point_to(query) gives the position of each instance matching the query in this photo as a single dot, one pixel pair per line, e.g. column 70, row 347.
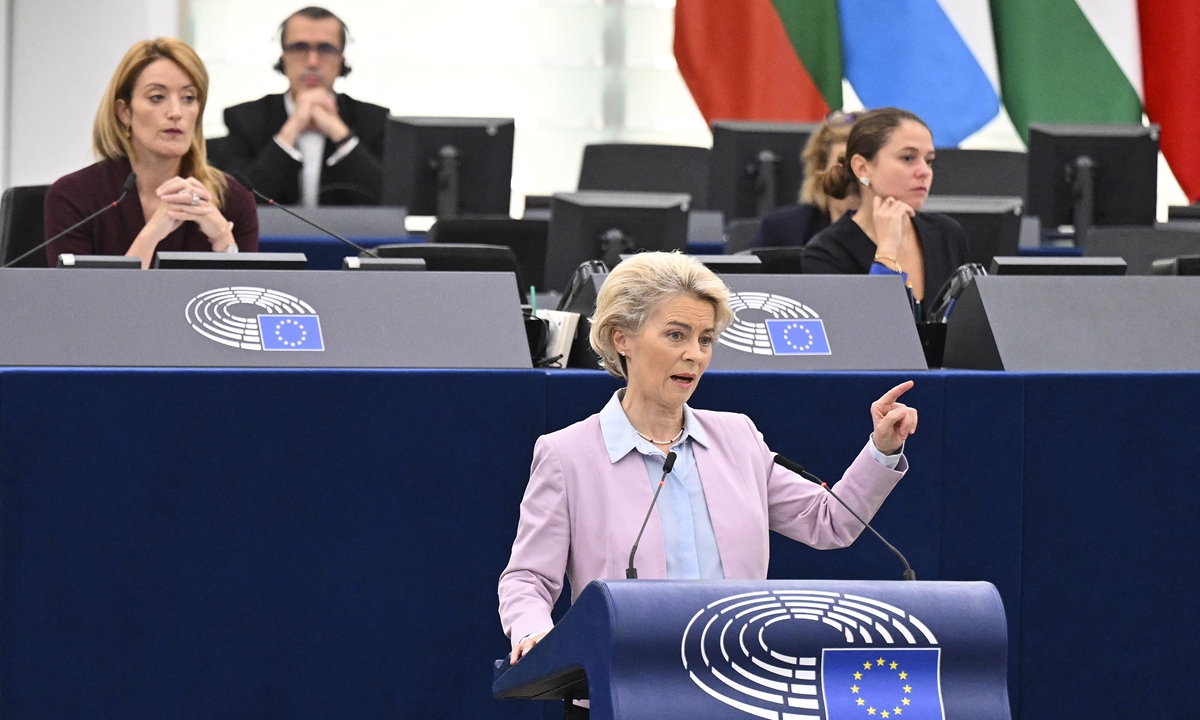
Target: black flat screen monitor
column 602, row 225
column 992, row 225
column 755, row 167
column 448, row 166
column 1124, row 178
column 1057, row 266
column 230, row 261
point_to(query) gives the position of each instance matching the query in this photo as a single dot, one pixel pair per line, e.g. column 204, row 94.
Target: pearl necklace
column 672, row 441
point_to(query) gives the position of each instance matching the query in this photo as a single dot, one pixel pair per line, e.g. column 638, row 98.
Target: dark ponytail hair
column 870, row 133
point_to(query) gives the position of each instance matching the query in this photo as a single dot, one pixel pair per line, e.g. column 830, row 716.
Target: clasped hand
column 894, row 421
column 316, row 109
column 186, row 199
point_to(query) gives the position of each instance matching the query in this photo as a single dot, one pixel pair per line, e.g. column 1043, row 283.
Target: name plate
column 246, row 318
column 818, row 322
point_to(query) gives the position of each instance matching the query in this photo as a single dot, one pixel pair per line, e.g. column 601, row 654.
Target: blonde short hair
column 637, row 287
column 109, row 139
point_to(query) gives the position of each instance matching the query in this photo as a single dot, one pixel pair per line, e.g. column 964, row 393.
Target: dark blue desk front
column 327, row 543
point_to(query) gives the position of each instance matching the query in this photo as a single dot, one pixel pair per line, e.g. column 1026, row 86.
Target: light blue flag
column 910, row 54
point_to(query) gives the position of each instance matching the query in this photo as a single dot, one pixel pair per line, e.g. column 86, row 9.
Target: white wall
column 61, row 54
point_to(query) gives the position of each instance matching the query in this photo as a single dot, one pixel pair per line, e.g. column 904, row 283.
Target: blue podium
column 781, row 650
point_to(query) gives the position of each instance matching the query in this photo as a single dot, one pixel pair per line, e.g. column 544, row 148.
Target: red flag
column 737, row 59
column 1171, row 67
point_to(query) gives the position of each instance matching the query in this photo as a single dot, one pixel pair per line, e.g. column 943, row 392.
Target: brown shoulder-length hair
column 868, row 135
column 108, row 133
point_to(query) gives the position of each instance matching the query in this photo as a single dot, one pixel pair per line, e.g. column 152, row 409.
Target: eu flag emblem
column 290, row 332
column 798, row 337
column 873, row 684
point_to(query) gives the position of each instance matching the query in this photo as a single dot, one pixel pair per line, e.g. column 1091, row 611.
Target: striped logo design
column 748, row 652
column 767, row 324
column 237, row 316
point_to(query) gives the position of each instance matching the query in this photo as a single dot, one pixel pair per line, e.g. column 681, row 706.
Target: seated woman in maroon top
column 150, row 123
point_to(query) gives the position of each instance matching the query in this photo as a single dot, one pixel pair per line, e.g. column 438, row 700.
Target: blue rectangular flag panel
column 798, row 337
column 882, row 682
column 290, row 332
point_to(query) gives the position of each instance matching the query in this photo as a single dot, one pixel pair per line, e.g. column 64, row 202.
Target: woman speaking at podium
column 591, row 484
column 150, row 122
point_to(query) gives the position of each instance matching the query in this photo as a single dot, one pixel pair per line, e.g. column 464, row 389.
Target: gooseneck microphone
column 799, row 470
column 250, row 186
column 130, row 183
column 631, row 571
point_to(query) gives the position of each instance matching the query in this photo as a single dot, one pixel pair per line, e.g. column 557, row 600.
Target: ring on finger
column 195, row 199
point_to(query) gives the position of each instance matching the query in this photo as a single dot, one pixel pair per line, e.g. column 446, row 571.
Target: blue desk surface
column 326, row 544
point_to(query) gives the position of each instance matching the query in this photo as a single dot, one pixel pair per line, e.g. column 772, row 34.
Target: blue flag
column 882, row 684
column 798, row 337
column 290, row 332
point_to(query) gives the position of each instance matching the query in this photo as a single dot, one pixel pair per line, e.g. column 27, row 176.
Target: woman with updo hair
column 889, row 164
column 797, row 224
column 657, row 318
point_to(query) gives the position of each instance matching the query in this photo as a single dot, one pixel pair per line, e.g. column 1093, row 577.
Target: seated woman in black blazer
column 797, row 224
column 889, row 164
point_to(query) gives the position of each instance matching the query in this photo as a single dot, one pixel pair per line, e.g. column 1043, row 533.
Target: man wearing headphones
column 311, row 145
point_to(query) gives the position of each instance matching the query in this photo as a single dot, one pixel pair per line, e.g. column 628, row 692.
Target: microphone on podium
column 130, row 184
column 245, row 181
column 668, row 464
column 797, row 468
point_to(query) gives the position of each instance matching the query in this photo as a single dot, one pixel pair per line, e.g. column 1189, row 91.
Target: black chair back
column 787, row 260
column 740, row 234
column 527, row 239
column 21, row 224
column 444, row 257
column 647, row 168
column 218, row 152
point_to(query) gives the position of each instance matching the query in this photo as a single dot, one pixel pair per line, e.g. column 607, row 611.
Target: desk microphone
column 130, row 183
column 799, row 470
column 250, row 186
column 631, row 571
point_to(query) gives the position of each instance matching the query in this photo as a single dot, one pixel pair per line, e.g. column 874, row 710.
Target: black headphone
column 315, row 14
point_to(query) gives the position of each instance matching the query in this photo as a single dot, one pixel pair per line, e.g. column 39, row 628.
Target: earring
column 622, row 353
column 128, row 132
column 865, row 181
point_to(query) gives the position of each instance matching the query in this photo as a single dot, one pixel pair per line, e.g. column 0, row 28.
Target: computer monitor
column 755, row 167
column 171, row 260
column 1084, row 175
column 448, row 166
column 992, row 225
column 602, row 225
column 1182, row 265
column 1057, row 266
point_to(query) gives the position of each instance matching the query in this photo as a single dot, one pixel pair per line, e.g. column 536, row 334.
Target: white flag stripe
column 744, row 603
column 772, row 621
column 877, row 613
column 890, row 608
column 724, row 652
column 862, row 630
column 817, row 606
column 804, row 689
column 703, row 634
column 807, row 662
column 887, row 637
column 973, row 21
column 756, row 608
column 785, row 658
column 804, row 703
column 806, row 675
column 758, row 593
column 773, row 684
column 924, row 630
column 772, row 668
column 792, row 716
column 854, row 613
column 904, row 631
column 843, row 619
column 1116, row 22
column 832, row 623
column 757, row 712
column 769, row 697
column 806, row 592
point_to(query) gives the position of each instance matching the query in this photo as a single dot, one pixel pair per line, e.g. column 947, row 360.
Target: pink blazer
column 581, row 512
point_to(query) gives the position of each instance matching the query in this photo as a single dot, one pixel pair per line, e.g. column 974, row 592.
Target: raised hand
column 894, row 421
column 889, row 217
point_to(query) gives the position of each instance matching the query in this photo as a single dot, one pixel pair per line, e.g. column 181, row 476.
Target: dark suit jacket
column 791, row 225
column 73, row 197
column 354, row 180
column 844, row 249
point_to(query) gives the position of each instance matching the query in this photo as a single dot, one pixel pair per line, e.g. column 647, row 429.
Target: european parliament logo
column 768, row 324
column 290, row 332
column 254, row 318
column 813, row 655
column 889, row 683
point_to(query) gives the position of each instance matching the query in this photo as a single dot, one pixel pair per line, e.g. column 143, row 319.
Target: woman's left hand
column 180, row 193
column 894, row 421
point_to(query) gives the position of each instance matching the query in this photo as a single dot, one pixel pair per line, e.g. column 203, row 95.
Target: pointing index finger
column 896, row 392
